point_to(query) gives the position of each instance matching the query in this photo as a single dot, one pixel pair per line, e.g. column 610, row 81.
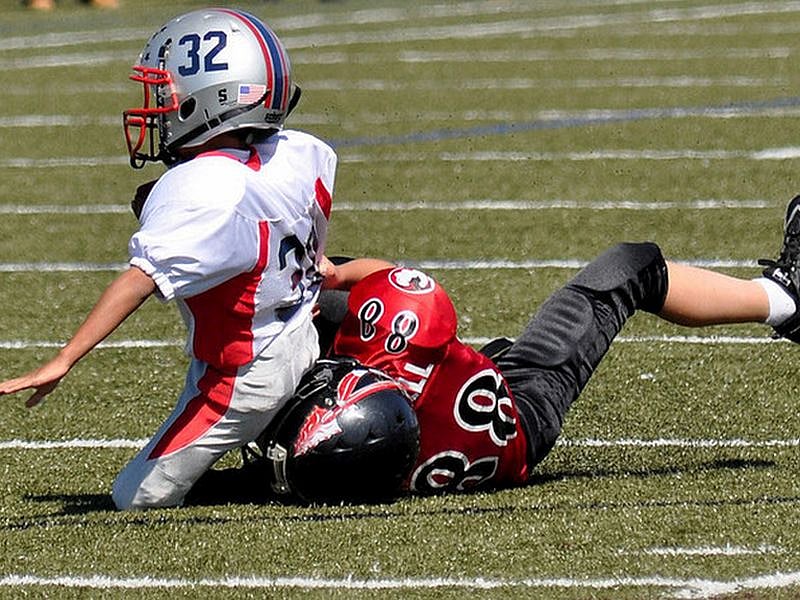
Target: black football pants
column 551, row 362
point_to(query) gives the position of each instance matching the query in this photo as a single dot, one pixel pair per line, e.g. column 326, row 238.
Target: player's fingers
column 325, row 266
column 14, row 385
column 35, row 379
column 330, row 274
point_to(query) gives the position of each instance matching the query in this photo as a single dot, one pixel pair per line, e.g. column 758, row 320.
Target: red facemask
column 139, row 121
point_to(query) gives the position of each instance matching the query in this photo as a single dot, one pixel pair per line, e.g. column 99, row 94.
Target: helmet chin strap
column 169, row 158
column 296, row 93
column 210, row 125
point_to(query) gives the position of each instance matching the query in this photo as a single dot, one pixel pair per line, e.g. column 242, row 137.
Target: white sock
column 781, row 303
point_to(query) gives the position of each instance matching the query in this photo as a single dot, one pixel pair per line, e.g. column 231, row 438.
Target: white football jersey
column 235, row 237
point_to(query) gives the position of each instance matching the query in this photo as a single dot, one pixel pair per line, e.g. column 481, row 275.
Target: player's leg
column 217, row 412
column 701, row 297
column 698, row 297
column 553, row 359
column 549, row 364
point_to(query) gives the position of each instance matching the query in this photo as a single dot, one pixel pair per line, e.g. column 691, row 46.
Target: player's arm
column 121, row 298
column 346, row 275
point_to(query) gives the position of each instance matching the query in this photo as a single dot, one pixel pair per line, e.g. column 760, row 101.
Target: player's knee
column 619, row 264
column 638, row 268
column 122, row 495
column 135, row 493
column 637, row 254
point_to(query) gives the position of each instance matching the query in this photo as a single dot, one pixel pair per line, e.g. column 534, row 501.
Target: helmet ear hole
column 187, row 108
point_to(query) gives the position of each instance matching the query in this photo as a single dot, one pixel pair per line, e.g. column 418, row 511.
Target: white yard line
column 468, row 264
column 693, row 340
column 64, row 209
column 31, row 121
column 423, row 116
column 120, row 344
column 780, row 154
column 67, row 161
column 455, row 206
column 643, row 444
column 679, row 443
column 432, row 264
column 547, row 55
column 786, row 153
column 65, row 267
column 531, row 83
column 621, row 154
column 472, row 340
column 686, row 588
column 71, row 444
column 726, row 550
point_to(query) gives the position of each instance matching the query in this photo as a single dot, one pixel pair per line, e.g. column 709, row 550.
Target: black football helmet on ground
column 349, row 435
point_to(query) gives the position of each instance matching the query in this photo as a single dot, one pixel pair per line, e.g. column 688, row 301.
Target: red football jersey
column 402, row 322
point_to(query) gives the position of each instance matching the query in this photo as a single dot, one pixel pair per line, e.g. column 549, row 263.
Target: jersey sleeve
column 190, row 238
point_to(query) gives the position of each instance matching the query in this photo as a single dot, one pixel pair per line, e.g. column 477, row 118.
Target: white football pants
column 217, row 411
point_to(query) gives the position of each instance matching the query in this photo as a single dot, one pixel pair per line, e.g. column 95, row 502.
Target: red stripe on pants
column 200, row 414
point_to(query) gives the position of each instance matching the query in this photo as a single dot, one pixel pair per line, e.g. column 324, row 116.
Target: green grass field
column 499, row 144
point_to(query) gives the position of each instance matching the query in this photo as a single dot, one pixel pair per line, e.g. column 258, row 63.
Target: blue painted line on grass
column 437, row 135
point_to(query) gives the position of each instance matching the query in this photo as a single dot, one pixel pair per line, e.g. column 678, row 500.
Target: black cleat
column 785, row 271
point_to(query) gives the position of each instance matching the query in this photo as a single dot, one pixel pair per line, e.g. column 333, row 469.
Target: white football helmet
column 205, row 73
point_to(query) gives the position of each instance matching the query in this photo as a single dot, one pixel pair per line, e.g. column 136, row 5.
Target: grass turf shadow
column 76, row 507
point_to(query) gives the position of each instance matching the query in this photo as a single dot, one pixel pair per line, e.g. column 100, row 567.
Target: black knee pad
column 635, row 268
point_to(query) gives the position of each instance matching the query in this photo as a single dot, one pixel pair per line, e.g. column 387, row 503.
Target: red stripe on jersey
column 200, row 414
column 223, row 315
column 217, row 153
column 323, row 197
column 254, row 162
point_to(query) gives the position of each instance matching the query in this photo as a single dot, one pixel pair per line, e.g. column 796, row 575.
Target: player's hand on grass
column 43, row 380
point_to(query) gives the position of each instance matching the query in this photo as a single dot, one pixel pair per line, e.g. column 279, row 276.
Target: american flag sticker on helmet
column 250, row 93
